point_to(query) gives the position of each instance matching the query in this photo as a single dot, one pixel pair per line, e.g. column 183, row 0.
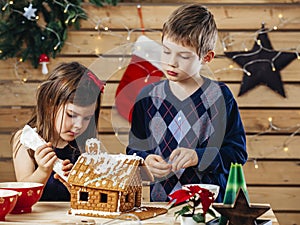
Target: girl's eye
column 70, row 115
column 167, row 52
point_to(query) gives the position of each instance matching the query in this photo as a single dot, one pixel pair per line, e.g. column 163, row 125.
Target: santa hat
column 144, row 68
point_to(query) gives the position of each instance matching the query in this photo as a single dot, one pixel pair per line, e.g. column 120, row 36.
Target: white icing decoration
column 30, row 138
column 90, row 143
column 93, row 212
column 113, row 168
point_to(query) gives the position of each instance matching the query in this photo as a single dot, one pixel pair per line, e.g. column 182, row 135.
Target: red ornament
column 44, row 60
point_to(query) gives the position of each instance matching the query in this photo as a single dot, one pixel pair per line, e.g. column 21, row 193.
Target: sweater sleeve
column 138, row 139
column 233, row 146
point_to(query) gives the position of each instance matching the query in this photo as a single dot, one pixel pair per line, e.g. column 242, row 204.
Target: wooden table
column 55, row 213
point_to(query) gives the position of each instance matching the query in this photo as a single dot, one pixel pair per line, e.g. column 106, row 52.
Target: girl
column 66, row 115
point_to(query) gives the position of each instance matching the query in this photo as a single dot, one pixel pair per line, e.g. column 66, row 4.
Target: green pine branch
column 28, row 39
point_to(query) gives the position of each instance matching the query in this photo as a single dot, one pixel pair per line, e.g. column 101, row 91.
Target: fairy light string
column 227, row 42
column 49, row 33
column 101, row 25
column 294, row 130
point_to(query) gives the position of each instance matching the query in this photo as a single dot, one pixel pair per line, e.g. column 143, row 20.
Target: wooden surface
column 55, row 213
column 276, row 180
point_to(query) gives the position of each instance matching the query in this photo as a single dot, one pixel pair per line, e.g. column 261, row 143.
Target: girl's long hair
column 68, row 83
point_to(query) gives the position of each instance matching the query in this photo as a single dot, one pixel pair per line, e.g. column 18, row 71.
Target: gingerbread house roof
column 107, row 171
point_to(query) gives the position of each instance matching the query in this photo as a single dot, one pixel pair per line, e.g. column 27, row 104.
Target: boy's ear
column 209, row 56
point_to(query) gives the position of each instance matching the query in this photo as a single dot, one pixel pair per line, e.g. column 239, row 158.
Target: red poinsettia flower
column 195, row 195
column 179, row 196
column 207, row 198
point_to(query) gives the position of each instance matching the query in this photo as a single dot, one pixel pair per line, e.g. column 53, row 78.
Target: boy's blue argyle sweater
column 208, row 121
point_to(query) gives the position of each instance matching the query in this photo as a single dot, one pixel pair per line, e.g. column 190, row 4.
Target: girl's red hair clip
column 97, row 81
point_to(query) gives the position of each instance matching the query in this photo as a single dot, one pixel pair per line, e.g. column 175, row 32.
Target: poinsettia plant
column 192, row 196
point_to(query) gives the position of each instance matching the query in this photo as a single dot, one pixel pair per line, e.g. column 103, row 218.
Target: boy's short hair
column 192, row 25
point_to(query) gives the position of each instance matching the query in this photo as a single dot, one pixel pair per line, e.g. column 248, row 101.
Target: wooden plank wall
column 277, row 178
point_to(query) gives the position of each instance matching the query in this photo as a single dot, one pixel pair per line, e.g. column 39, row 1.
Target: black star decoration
column 261, row 65
column 241, row 212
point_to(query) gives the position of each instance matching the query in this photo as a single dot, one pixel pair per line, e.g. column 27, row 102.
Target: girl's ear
column 209, row 56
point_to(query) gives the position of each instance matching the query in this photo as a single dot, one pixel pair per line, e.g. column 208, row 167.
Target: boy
column 187, row 127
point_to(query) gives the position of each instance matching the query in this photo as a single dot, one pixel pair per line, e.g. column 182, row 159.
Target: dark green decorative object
column 236, row 180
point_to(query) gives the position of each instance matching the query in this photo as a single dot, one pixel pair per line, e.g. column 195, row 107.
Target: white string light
column 72, row 17
column 294, row 129
column 17, row 66
column 99, row 25
column 227, row 43
column 7, row 4
column 57, row 36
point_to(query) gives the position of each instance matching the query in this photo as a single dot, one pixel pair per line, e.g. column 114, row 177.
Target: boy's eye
column 87, row 118
column 185, row 57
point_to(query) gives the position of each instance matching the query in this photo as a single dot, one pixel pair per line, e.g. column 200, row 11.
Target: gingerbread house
column 107, row 185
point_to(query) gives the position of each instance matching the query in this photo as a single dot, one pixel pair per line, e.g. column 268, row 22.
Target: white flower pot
column 188, row 220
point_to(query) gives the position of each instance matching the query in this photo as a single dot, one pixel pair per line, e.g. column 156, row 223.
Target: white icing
column 30, row 138
column 119, row 202
column 93, row 212
column 90, row 143
column 108, row 168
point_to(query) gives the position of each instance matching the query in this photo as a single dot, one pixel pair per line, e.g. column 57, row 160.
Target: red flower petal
column 194, row 189
column 207, row 199
column 179, row 196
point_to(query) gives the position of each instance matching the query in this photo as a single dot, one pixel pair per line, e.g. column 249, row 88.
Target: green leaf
column 183, row 211
column 199, row 218
column 211, row 212
column 96, row 2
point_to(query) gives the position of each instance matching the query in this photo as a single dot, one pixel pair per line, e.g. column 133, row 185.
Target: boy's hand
column 45, row 157
column 182, row 158
column 157, row 165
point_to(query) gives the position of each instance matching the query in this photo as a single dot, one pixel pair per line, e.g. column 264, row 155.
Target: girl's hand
column 66, row 167
column 157, row 165
column 182, row 158
column 45, row 157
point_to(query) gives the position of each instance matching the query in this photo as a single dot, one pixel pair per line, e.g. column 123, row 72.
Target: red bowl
column 8, row 200
column 29, row 194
